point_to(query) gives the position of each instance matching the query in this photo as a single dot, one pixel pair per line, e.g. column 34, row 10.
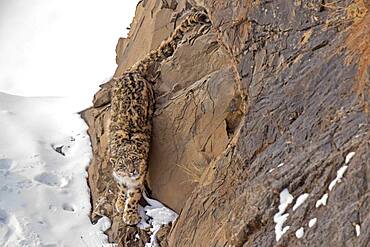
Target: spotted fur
column 131, row 121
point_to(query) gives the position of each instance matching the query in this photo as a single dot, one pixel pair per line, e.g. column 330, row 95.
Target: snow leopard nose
column 132, row 171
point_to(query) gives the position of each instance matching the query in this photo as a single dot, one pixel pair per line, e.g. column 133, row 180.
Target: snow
column 312, row 222
column 299, row 233
column 358, row 230
column 60, row 48
column 300, row 200
column 279, row 218
column 339, row 177
column 286, row 198
column 44, row 197
column 322, row 200
column 341, row 171
column 349, row 157
column 280, row 165
column 154, row 216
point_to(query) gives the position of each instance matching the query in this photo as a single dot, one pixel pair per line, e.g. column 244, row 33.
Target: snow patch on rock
column 358, row 230
column 279, row 218
column 339, row 177
column 299, row 233
column 349, row 157
column 312, row 222
column 322, row 201
column 154, row 216
column 300, row 200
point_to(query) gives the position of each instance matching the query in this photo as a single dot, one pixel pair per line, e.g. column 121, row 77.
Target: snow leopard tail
column 168, row 46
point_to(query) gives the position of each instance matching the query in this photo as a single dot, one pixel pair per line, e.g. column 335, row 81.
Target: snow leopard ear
column 117, row 162
column 111, row 161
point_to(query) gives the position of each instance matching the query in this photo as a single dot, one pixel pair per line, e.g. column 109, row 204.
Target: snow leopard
column 132, row 108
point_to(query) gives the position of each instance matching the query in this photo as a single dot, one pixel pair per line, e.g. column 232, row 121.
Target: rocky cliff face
column 261, row 129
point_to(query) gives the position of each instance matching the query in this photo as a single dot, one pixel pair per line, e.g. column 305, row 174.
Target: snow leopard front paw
column 120, row 204
column 131, row 218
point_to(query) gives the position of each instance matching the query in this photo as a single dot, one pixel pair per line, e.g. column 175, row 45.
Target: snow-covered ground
column 60, row 48
column 44, row 197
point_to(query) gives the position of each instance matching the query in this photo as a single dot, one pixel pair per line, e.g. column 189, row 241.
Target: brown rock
column 273, row 82
column 189, row 131
column 103, row 96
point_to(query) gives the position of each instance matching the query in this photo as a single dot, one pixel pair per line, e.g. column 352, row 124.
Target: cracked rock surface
column 275, row 98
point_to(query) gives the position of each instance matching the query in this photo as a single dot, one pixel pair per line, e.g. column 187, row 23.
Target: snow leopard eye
column 134, row 173
column 135, row 161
